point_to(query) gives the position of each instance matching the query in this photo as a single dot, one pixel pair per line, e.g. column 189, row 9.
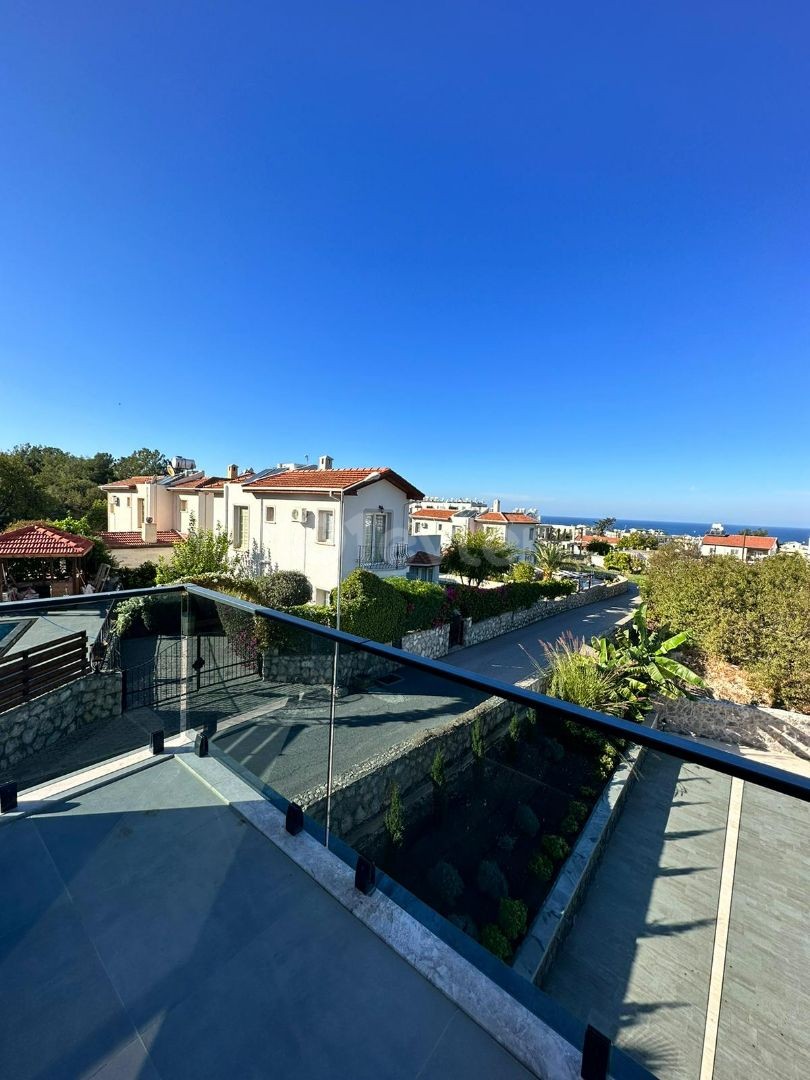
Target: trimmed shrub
column 555, row 847
column 137, row 577
column 522, row 571
column 492, row 938
column 490, row 880
column 285, row 589
column 541, row 866
column 512, row 916
column 526, row 820
column 425, row 604
column 506, row 842
column 394, row 817
column 465, row 924
column 446, row 882
column 477, row 604
column 606, row 763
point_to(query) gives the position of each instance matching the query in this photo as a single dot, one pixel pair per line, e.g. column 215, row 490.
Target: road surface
column 510, row 657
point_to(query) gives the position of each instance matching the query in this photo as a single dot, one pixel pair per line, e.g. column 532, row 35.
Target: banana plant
column 643, row 654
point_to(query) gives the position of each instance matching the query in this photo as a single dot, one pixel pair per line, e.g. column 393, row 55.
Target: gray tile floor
column 147, row 932
column 637, row 961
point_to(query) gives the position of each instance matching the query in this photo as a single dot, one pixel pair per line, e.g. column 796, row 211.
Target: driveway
column 506, row 658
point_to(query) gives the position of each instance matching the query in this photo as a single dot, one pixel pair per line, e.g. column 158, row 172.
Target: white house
column 315, row 519
column 748, row 548
column 444, row 523
column 518, row 528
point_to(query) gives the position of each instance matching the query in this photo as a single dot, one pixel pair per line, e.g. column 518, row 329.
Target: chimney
column 233, row 472
column 496, row 505
column 149, row 532
column 325, row 462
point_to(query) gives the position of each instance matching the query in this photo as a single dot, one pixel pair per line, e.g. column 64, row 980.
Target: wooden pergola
column 45, row 542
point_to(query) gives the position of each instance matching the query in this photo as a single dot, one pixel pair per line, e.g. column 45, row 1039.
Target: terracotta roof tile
column 433, row 515
column 42, row 542
column 601, row 539
column 129, row 483
column 496, row 517
column 331, row 480
column 754, row 543
column 134, row 539
column 424, row 558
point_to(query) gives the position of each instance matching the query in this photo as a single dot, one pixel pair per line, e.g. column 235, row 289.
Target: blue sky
column 553, row 252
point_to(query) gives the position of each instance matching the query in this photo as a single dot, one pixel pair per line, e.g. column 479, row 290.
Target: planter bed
column 477, row 820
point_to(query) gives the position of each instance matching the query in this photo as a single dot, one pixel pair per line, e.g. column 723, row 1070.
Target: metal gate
column 200, row 663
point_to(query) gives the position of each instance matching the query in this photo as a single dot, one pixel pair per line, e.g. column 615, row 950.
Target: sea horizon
column 783, row 533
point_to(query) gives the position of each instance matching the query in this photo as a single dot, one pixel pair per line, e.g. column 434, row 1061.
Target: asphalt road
column 512, row 657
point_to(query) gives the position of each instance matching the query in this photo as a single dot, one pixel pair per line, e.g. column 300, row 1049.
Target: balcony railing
column 656, row 870
column 390, row 557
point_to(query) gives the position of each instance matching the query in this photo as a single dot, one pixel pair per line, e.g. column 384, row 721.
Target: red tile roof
column 331, row 480
column 129, row 483
column 753, row 543
column 496, row 517
column 601, row 539
column 42, row 541
column 433, row 515
column 134, row 539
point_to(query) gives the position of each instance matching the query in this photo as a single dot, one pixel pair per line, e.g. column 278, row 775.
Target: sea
column 783, row 533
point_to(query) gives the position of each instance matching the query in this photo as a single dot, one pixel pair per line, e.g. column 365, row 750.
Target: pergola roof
column 41, row 541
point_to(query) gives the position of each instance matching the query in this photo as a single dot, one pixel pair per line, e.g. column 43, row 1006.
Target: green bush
column 555, row 847
column 625, row 563
column 425, row 604
column 465, row 924
column 492, row 938
column 588, row 792
column 512, row 917
column 477, row 604
column 522, row 571
column 526, row 820
column 437, row 770
column 138, row 577
column 515, row 728
column 555, row 750
column 394, row 817
column 599, row 547
column 370, row 608
column 284, row 589
column 490, row 880
column 541, row 867
column 506, row 842
column 147, row 615
column 606, row 764
column 446, row 882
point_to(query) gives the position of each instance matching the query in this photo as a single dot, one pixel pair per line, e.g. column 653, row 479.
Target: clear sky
column 556, row 252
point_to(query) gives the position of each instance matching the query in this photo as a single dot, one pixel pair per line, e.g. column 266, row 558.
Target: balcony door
column 375, row 536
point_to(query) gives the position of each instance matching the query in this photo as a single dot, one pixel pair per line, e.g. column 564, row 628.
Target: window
column 129, row 500
column 141, row 512
column 424, row 524
column 241, row 527
column 375, row 534
column 439, row 526
column 322, row 597
column 424, row 573
column 270, row 515
column 531, row 534
column 183, row 506
column 326, row 527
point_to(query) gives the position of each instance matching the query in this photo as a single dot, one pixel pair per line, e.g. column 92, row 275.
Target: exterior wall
column 522, row 537
column 121, row 518
column 137, row 556
column 750, row 554
column 35, row 725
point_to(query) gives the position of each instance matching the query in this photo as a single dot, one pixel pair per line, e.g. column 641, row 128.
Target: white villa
column 320, row 520
column 518, row 527
column 741, row 546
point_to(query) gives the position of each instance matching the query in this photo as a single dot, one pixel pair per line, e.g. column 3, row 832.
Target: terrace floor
column 148, row 931
column 694, row 964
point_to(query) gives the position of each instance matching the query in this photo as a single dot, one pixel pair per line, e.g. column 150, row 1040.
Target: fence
column 31, row 672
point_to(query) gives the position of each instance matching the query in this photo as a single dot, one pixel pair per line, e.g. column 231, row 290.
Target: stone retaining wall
column 37, row 724
column 316, row 670
column 486, row 629
column 360, row 796
column 431, row 643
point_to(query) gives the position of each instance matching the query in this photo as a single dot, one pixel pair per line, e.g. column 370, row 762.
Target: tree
column 142, row 462
column 601, row 526
column 598, row 547
column 549, row 558
column 202, row 552
column 478, row 556
column 638, row 540
column 19, row 495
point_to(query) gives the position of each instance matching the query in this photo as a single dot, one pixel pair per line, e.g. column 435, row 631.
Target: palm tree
column 548, row 557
